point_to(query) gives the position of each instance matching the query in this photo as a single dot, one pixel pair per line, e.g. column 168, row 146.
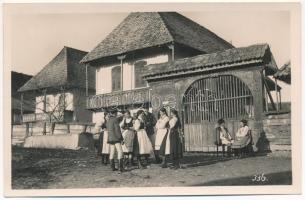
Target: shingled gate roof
column 63, row 70
column 149, row 29
column 206, row 62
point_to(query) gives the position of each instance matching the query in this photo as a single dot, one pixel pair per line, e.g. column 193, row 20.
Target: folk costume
column 176, row 150
column 128, row 135
column 143, row 146
column 105, row 146
column 115, row 139
column 162, row 137
column 150, row 122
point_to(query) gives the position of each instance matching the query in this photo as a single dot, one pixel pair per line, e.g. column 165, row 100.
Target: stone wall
column 19, row 131
column 278, row 131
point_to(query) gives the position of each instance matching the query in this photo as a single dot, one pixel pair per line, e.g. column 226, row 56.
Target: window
column 139, row 82
column 116, row 78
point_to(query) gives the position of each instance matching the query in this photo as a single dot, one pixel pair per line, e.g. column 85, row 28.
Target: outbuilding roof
column 141, row 30
column 63, row 70
column 206, row 62
column 284, row 73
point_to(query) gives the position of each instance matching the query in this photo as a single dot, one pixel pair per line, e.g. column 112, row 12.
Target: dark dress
column 176, row 150
column 150, row 122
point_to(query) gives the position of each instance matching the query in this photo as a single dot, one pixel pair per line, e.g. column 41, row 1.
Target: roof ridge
column 166, row 26
column 33, row 79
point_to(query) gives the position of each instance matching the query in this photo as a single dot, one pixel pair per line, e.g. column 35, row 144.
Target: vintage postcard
column 152, row 99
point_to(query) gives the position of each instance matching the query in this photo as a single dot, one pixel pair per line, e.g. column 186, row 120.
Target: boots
column 121, row 165
column 103, row 159
column 176, row 164
column 147, row 160
column 164, row 163
column 112, row 165
column 130, row 163
column 140, row 166
column 158, row 160
column 229, row 151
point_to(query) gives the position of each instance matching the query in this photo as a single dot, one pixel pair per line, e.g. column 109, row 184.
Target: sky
column 33, row 37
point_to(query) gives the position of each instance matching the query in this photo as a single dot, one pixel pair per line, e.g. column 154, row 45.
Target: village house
column 60, row 90
column 163, row 59
column 18, row 80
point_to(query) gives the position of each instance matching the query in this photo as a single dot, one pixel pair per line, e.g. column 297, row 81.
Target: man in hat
column 115, row 139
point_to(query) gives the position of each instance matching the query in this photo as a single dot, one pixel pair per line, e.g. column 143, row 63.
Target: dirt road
column 46, row 168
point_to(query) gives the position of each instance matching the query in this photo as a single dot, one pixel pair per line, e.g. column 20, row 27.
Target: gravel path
column 47, row 168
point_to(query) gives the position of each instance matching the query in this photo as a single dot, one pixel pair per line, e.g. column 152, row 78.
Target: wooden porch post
column 280, row 100
column 172, row 47
column 87, row 83
column 21, row 107
column 45, row 111
column 121, row 59
column 265, row 92
column 277, row 95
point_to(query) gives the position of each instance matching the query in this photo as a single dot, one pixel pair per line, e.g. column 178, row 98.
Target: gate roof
column 234, row 57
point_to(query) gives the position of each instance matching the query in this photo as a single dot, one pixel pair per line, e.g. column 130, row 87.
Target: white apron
column 106, row 146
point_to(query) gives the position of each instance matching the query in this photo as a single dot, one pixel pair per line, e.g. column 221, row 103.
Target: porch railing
column 118, row 98
column 36, row 117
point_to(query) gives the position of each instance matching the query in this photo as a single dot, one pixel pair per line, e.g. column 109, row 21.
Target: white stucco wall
column 103, row 74
column 104, row 82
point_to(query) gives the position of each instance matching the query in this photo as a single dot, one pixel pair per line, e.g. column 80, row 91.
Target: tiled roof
column 63, row 70
column 206, row 62
column 149, row 29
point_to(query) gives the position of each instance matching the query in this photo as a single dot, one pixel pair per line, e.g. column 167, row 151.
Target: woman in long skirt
column 176, row 151
column 128, row 135
column 106, row 146
column 144, row 146
column 162, row 139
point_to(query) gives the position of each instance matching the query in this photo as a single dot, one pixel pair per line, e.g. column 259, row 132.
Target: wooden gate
column 208, row 100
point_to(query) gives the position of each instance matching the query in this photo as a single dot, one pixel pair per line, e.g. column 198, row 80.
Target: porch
column 118, row 99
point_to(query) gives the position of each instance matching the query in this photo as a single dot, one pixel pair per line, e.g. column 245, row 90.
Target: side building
column 60, row 91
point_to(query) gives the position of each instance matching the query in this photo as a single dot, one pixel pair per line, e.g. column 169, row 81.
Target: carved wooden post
column 45, row 111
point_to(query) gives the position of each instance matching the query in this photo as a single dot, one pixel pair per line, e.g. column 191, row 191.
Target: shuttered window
column 139, row 82
column 116, row 78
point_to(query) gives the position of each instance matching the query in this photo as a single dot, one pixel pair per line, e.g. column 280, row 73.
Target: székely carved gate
column 208, row 100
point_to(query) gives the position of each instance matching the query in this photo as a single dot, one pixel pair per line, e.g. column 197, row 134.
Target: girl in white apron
column 162, row 137
column 128, row 135
column 144, row 146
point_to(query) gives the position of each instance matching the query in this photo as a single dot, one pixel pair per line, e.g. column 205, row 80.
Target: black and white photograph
column 124, row 97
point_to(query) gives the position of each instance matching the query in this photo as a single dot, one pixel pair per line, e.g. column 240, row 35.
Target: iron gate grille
column 213, row 98
column 208, row 100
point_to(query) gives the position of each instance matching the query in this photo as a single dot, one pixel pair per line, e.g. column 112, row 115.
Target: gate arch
column 209, row 99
